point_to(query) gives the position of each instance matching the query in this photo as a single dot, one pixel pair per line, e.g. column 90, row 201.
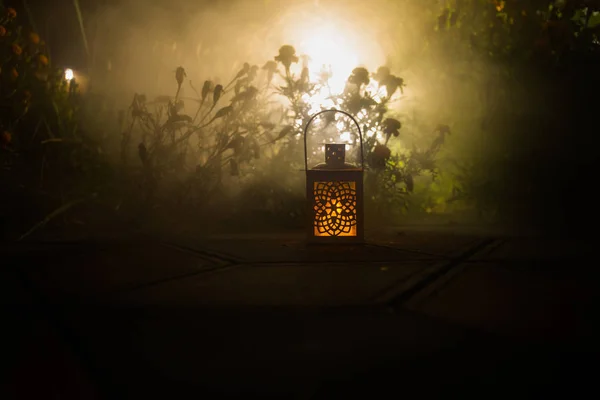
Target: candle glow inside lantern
column 334, row 190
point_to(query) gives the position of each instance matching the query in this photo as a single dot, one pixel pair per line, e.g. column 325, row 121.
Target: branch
column 52, row 215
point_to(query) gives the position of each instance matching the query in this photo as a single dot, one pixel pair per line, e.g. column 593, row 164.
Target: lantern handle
column 362, row 158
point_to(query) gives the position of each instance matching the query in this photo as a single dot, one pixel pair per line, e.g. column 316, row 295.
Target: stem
column 30, row 15
column 208, row 113
column 177, row 93
column 82, row 28
column 51, row 216
column 42, row 171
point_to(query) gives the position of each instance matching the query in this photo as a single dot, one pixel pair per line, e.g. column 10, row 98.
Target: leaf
column 594, row 20
column 392, row 84
column 53, row 140
column 234, row 167
column 143, row 153
column 284, row 132
column 52, row 215
column 442, row 129
column 179, row 118
column 267, row 125
column 255, row 148
column 243, row 71
column 437, row 143
column 410, row 183
column 223, row 112
column 246, row 95
column 271, row 68
column 236, row 143
column 252, row 73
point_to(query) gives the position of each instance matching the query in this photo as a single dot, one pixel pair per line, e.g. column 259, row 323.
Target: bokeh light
column 69, row 74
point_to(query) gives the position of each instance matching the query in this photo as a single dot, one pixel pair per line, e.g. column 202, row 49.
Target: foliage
column 537, row 54
column 250, row 129
column 45, row 151
column 518, row 30
column 242, row 139
column 41, row 114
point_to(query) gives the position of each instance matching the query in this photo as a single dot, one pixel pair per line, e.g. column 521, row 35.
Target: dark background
column 57, row 22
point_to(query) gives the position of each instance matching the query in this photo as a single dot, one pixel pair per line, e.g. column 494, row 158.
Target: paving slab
column 271, row 351
column 438, row 243
column 292, row 247
column 528, row 249
column 33, row 347
column 510, row 302
column 279, row 285
column 275, row 250
column 166, row 321
column 13, row 293
column 93, row 269
column 41, row 364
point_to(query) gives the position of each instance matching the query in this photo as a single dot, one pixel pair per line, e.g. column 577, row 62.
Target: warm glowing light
column 335, row 209
column 346, row 137
column 332, row 48
column 331, row 52
column 69, row 74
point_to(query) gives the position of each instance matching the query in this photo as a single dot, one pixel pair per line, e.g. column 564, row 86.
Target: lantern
column 334, row 190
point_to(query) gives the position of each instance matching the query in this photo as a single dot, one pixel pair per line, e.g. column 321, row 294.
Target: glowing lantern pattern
column 334, row 191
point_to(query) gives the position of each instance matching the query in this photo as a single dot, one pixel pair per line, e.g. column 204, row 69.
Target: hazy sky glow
column 213, row 42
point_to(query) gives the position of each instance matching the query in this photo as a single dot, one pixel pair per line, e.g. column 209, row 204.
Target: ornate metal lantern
column 334, row 190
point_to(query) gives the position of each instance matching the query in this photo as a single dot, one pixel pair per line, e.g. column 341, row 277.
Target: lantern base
column 329, row 240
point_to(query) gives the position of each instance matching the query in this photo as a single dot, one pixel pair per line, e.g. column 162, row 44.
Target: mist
column 137, row 45
column 490, row 131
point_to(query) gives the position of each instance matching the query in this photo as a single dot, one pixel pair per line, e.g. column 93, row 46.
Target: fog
column 139, row 45
column 136, row 46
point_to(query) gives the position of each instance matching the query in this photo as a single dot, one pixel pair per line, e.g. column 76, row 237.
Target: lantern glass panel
column 335, row 208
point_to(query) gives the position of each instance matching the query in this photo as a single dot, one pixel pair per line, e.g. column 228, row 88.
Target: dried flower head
column 34, row 38
column 43, row 60
column 382, row 74
column 5, row 138
column 360, row 76
column 287, row 56
column 180, row 75
column 17, row 49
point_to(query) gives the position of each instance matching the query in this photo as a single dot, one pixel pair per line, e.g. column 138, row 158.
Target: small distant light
column 69, row 74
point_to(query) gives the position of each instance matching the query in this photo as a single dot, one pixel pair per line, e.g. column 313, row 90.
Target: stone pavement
column 429, row 312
